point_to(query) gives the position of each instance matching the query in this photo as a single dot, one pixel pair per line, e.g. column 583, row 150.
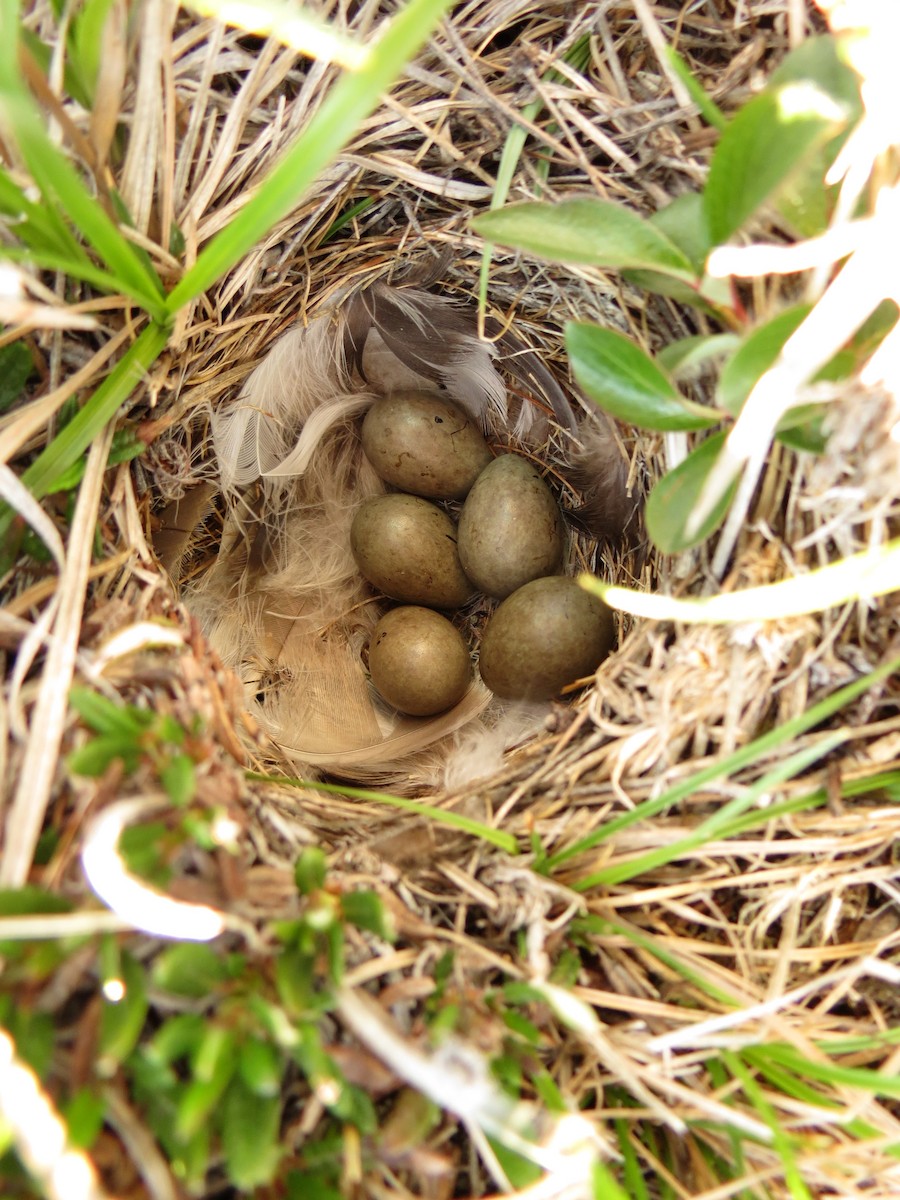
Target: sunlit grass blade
column 874, row 1082
column 858, row 577
column 496, row 837
column 97, row 412
column 38, row 227
column 59, row 182
column 77, row 268
column 51, row 465
column 725, row 767
column 292, row 25
column 713, row 825
column 780, row 1138
column 351, row 100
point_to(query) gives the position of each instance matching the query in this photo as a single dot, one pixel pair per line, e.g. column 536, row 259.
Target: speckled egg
column 418, row 661
column 510, row 527
column 547, row 634
column 421, row 443
column 406, row 547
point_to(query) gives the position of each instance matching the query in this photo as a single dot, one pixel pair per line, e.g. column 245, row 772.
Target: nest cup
column 285, row 604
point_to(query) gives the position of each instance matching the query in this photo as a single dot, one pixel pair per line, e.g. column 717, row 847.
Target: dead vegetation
column 778, row 932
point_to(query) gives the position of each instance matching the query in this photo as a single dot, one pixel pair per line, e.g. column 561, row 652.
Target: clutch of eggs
column 509, row 544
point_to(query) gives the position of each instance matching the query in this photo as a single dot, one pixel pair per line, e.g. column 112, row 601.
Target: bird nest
column 775, row 926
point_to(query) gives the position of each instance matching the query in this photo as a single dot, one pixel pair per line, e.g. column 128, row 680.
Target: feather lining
column 284, row 604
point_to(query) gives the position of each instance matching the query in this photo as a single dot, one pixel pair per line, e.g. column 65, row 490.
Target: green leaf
column 319, row 1184
column 143, row 846
column 16, row 368
column 84, row 1115
column 366, row 910
column 756, row 355
column 125, row 446
column 201, row 1098
column 802, row 428
column 684, row 223
column 819, row 60
column 86, row 43
column 674, row 497
column 37, row 227
column 625, row 381
column 103, row 715
column 686, row 356
column 177, row 1038
column 34, row 1035
column 805, row 202
column 294, row 981
column 215, row 1048
column 99, row 753
column 589, row 232
column 121, row 1023
column 250, row 1128
column 520, row 1171
column 765, row 144
column 260, row 1067
column 179, row 778
column 60, row 184
column 310, row 870
column 604, row 1184
column 190, row 969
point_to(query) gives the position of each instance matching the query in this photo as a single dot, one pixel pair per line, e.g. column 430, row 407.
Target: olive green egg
column 546, row 634
column 421, row 443
column 510, row 527
column 418, row 661
column 406, row 547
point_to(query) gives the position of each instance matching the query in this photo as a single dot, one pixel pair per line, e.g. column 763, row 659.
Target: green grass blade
column 76, row 268
column 351, row 100
column 59, row 183
column 578, row 57
column 714, row 825
column 496, row 837
column 38, row 227
column 875, row 1082
column 725, row 767
column 780, row 1138
column 669, row 958
column 97, row 412
column 709, row 110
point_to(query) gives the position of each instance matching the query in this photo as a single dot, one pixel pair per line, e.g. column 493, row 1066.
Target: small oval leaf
column 764, row 146
column 591, row 232
column 121, row 1022
column 674, row 497
column 686, row 357
column 626, row 382
column 250, row 1127
column 756, row 355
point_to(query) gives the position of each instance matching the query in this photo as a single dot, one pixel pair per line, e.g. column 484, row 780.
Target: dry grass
column 785, row 932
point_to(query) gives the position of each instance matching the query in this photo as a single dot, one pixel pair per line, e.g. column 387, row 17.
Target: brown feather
column 597, row 470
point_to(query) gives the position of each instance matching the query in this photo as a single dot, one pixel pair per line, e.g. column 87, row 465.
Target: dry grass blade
column 25, row 815
column 726, row 1021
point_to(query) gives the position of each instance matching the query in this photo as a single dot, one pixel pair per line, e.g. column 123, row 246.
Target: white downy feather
column 285, row 605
